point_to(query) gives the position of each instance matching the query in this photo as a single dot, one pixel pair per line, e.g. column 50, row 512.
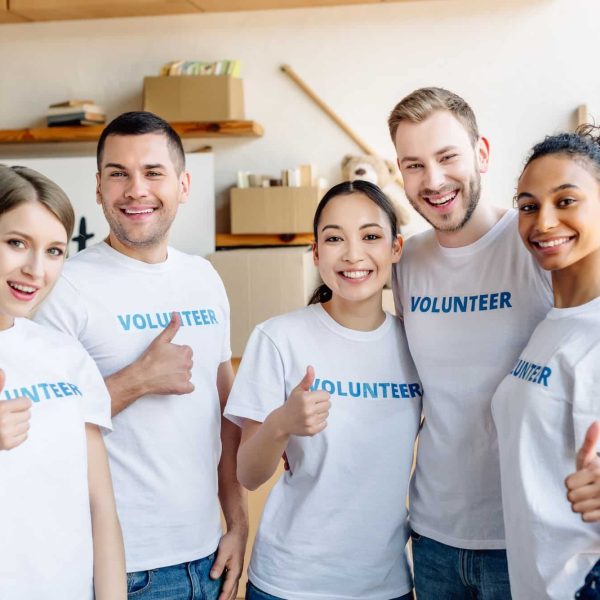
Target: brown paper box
column 273, row 210
column 195, row 98
column 262, row 283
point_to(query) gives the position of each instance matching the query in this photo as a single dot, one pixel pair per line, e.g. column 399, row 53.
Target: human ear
column 397, row 246
column 483, row 154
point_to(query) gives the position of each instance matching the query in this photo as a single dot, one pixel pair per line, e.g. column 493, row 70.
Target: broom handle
column 328, row 111
column 332, row 115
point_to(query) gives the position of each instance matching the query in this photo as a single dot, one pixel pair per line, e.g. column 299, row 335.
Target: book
column 88, row 116
column 74, row 122
column 68, row 103
column 68, row 110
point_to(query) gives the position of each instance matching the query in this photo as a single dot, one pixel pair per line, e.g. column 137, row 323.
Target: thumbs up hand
column 583, row 486
column 304, row 413
column 14, row 419
column 167, row 367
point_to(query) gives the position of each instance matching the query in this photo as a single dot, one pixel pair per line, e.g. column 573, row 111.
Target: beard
column 470, row 193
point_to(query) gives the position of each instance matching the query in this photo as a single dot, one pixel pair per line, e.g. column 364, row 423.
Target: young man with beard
column 470, row 296
column 126, row 299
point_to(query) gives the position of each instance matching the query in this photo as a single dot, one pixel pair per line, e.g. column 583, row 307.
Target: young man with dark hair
column 173, row 456
column 470, row 296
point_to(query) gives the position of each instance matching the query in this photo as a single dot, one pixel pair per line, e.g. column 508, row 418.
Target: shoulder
column 416, row 244
column 50, row 337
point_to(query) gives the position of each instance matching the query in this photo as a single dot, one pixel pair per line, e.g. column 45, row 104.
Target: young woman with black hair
column 333, row 387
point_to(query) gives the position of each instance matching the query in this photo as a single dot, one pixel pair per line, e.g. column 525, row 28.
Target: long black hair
column 373, row 193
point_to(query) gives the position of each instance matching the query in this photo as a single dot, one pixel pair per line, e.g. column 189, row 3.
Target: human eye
column 448, row 157
column 116, row 174
column 153, row 173
column 527, row 207
column 413, row 166
column 333, row 238
column 371, row 237
column 565, row 202
column 16, row 243
column 56, row 252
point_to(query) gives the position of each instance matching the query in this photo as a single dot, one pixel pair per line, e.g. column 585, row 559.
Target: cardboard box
column 273, row 210
column 195, row 98
column 262, row 283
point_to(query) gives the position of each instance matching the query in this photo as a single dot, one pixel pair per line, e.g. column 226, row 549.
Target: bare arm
column 233, row 498
column 109, row 556
column 304, row 413
column 164, row 368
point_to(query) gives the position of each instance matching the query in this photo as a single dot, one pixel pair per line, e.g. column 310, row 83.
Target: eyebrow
column 365, row 226
column 563, row 186
column 124, row 168
column 437, row 153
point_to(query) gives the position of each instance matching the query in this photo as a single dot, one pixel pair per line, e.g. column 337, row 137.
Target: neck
column 6, row 321
column 154, row 254
column 484, row 217
column 577, row 284
column 365, row 315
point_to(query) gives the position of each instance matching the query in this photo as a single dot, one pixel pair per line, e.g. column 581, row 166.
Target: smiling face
column 33, row 243
column 559, row 211
column 355, row 248
column 441, row 169
column 140, row 191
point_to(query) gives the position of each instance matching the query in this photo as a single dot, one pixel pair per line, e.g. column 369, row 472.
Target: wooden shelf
column 56, row 10
column 229, row 240
column 36, row 135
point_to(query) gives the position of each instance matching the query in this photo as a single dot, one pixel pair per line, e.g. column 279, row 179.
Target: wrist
column 275, row 424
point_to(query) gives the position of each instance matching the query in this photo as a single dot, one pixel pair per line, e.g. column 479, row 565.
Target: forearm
column 125, row 387
column 109, row 555
column 232, row 496
column 260, row 454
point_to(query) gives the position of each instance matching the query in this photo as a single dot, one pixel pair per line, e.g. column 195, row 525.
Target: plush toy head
column 369, row 168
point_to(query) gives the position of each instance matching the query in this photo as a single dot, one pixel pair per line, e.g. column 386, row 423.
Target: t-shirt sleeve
column 96, row 399
column 226, row 347
column 396, row 291
column 259, row 386
column 586, row 393
column 63, row 310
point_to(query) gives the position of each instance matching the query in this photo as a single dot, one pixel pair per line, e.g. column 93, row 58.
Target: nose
column 359, row 172
column 33, row 267
column 136, row 186
column 434, row 176
column 352, row 251
column 546, row 218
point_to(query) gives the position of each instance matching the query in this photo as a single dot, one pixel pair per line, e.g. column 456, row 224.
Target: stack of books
column 196, row 67
column 75, row 112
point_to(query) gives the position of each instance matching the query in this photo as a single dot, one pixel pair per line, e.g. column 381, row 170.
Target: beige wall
column 524, row 65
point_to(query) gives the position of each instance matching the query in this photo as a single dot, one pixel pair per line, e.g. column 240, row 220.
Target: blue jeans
column 253, row 593
column 591, row 588
column 456, row 574
column 187, row 581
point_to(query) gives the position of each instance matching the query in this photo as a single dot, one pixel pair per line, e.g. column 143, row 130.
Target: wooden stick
column 328, row 111
column 333, row 116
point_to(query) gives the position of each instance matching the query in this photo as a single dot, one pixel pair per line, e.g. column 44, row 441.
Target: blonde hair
column 22, row 184
column 421, row 103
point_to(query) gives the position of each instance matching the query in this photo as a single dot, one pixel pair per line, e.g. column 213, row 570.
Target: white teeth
column 552, row 243
column 442, row 200
column 355, row 274
column 22, row 288
column 145, row 211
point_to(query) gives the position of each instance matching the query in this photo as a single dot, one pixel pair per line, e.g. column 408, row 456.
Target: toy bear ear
column 391, row 167
column 346, row 160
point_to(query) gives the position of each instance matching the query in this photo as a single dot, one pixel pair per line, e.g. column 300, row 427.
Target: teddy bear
column 384, row 174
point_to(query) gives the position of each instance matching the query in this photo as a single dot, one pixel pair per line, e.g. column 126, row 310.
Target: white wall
column 524, row 66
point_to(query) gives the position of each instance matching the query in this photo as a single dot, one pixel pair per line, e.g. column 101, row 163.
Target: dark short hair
column 358, row 186
column 140, row 123
column 583, row 145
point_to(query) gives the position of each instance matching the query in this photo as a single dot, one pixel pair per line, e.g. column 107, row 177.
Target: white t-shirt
column 164, row 451
column 468, row 312
column 542, row 411
column 334, row 525
column 45, row 523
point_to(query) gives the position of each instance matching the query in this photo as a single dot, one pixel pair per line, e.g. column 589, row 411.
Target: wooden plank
column 54, row 10
column 228, row 240
column 238, row 5
column 8, row 17
column 92, row 133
